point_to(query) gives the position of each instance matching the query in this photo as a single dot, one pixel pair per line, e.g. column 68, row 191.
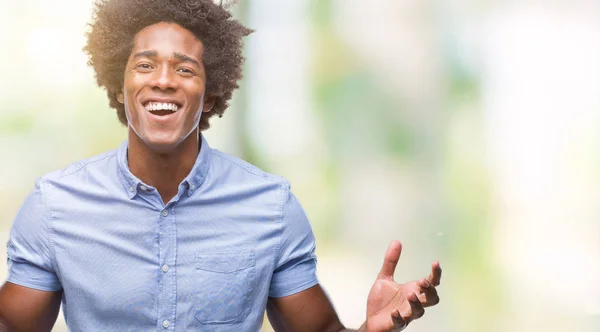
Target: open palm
column 391, row 306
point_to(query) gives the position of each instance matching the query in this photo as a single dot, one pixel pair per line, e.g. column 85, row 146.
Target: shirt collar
column 191, row 182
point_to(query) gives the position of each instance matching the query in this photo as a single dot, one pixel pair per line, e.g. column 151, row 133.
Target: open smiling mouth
column 161, row 109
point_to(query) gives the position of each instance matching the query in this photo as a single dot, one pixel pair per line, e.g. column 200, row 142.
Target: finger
column 429, row 296
column 436, row 274
column 416, row 308
column 390, row 260
column 424, row 283
column 399, row 322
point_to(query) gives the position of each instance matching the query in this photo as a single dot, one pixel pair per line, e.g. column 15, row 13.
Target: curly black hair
column 116, row 22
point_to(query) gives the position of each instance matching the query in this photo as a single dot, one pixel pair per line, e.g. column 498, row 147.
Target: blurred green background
column 469, row 130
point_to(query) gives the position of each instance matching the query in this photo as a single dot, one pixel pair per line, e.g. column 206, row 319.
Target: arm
column 30, row 299
column 309, row 310
column 25, row 309
column 390, row 306
column 293, row 306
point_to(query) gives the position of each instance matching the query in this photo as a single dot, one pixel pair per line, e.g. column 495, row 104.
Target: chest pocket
column 225, row 285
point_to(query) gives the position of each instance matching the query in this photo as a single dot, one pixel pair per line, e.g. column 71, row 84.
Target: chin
column 162, row 143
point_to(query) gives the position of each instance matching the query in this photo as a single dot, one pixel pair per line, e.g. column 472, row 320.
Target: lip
column 162, row 119
column 162, row 100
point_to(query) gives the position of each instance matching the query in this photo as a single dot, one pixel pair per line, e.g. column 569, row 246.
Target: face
column 164, row 86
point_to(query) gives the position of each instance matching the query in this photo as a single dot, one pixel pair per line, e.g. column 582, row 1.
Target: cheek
column 131, row 83
column 195, row 92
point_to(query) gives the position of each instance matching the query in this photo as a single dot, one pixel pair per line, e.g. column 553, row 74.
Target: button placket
column 167, row 244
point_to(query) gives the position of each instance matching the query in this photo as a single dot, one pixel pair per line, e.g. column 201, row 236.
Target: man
column 165, row 233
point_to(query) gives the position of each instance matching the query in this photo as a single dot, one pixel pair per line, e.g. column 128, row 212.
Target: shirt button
column 131, row 189
column 144, row 188
column 165, row 213
column 193, row 187
column 165, row 268
column 166, row 323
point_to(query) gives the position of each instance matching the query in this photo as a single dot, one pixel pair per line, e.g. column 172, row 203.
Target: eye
column 144, row 66
column 186, row 71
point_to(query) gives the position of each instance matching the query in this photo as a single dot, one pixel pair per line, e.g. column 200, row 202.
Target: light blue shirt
column 206, row 261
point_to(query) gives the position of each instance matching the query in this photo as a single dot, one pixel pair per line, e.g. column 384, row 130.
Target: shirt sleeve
column 295, row 268
column 29, row 254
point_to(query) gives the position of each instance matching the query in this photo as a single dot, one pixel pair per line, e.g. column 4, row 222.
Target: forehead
column 168, row 38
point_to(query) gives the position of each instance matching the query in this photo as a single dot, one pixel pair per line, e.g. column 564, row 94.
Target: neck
column 162, row 170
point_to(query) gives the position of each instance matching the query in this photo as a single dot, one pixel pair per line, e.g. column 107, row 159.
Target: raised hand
column 392, row 306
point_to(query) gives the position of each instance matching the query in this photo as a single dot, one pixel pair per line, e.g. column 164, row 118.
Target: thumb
column 392, row 256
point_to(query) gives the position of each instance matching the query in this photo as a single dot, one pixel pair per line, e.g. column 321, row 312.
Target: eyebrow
column 147, row 54
column 179, row 56
column 184, row 58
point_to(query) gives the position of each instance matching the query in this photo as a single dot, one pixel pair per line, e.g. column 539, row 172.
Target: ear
column 209, row 103
column 120, row 98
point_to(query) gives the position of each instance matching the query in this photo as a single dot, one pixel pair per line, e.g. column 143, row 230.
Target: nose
column 165, row 79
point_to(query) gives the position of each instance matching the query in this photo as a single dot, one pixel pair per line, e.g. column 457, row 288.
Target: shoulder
column 97, row 163
column 229, row 166
column 233, row 177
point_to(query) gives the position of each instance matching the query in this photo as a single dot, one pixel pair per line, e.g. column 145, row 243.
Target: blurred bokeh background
column 469, row 130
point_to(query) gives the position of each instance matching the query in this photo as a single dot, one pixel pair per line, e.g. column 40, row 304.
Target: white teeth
column 153, row 106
